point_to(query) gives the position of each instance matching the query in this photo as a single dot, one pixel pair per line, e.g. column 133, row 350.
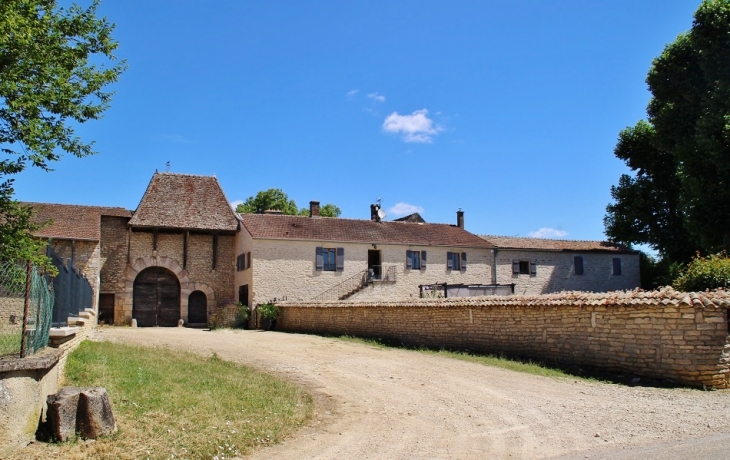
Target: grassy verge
column 525, row 366
column 171, row 404
column 10, row 342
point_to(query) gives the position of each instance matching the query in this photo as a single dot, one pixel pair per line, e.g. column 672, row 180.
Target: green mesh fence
column 12, row 307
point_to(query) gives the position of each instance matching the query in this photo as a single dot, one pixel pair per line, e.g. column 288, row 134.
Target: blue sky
column 509, row 110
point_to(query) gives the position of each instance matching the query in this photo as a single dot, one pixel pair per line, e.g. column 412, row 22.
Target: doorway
column 375, row 269
column 156, row 298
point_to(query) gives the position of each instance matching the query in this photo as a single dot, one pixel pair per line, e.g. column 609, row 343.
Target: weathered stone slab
column 94, row 417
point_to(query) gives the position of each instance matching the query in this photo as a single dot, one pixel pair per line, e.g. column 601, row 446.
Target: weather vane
column 167, row 166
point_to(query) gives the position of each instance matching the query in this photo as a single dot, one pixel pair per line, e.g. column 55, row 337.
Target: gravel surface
column 398, row 404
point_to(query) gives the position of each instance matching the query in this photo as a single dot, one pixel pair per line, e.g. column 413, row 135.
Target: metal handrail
column 387, row 273
column 337, row 291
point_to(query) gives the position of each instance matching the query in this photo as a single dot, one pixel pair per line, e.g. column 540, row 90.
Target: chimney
column 374, row 208
column 314, row 209
column 460, row 219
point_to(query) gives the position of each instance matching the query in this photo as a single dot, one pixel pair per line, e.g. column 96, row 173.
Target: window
column 330, row 259
column 616, row 265
column 524, row 267
column 243, row 261
column 578, row 264
column 415, row 260
column 456, row 261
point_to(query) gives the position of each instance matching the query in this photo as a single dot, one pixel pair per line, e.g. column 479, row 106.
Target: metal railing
column 73, row 291
column 382, row 273
column 344, row 289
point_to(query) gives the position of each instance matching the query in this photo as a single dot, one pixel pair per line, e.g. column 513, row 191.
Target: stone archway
column 186, row 286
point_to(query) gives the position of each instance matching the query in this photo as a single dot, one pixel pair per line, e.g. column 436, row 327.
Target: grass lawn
column 172, row 404
column 487, row 360
column 10, row 341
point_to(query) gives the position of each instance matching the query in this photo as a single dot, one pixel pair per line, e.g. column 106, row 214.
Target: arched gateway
column 156, row 298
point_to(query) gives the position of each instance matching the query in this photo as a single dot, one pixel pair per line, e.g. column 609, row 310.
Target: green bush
column 704, row 273
column 268, row 311
column 242, row 314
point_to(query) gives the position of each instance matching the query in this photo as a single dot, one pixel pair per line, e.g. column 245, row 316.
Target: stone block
column 95, row 417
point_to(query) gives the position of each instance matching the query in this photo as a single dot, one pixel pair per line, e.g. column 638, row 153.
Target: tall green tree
column 677, row 199
column 54, row 66
column 275, row 198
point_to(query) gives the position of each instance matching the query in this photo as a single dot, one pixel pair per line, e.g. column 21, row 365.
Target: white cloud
column 416, row 127
column 234, row 204
column 376, row 97
column 352, row 93
column 404, row 209
column 546, row 232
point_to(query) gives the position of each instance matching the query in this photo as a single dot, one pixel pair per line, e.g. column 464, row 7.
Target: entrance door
column 243, row 294
column 156, row 298
column 106, row 308
column 374, row 266
column 198, row 308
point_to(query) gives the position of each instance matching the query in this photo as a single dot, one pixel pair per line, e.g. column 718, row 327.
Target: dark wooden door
column 106, row 308
column 156, row 298
column 197, row 308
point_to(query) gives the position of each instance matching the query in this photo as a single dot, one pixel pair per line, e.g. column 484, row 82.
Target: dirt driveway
column 397, row 404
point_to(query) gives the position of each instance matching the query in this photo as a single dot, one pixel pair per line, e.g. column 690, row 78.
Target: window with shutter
column 616, row 265
column 454, row 260
column 463, row 261
column 247, row 262
column 423, row 259
column 533, row 268
column 409, row 258
column 524, row 266
column 319, row 258
column 578, row 263
column 340, row 259
column 515, row 267
column 450, row 260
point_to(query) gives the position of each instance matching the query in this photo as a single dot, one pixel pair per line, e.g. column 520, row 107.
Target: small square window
column 415, row 257
column 329, row 256
column 524, row 267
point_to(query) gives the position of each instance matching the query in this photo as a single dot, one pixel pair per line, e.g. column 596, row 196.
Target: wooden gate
column 198, row 308
column 156, row 298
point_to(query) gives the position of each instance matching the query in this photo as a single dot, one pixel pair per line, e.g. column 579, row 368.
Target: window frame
column 616, row 269
column 579, row 262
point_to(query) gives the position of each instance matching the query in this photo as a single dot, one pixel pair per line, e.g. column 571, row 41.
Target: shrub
column 242, row 314
column 268, row 311
column 704, row 273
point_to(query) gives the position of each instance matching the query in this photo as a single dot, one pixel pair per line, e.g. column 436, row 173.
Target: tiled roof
column 666, row 296
column 270, row 226
column 73, row 221
column 185, row 201
column 511, row 242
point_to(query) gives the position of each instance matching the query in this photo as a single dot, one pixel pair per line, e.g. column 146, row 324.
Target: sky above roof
column 507, row 110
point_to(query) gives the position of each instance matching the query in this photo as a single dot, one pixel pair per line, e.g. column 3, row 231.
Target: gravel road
column 374, row 403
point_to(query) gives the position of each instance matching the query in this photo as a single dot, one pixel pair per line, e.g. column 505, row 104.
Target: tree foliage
column 704, row 273
column 51, row 78
column 276, row 199
column 678, row 198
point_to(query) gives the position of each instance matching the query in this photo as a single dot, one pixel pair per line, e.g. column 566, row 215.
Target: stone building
column 543, row 266
column 184, row 252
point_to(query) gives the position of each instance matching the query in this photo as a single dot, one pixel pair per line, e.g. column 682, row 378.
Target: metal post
column 26, row 307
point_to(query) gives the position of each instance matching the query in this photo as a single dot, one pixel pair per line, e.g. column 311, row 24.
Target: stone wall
column 670, row 335
column 286, row 268
column 198, row 273
column 556, row 272
column 113, row 254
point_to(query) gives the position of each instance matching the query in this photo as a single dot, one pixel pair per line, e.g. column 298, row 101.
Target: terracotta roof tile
column 73, row 221
column 271, row 226
column 185, row 201
column 512, row 242
column 666, row 296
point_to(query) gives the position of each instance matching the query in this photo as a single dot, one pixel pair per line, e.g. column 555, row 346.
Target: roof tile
column 512, row 242
column 73, row 221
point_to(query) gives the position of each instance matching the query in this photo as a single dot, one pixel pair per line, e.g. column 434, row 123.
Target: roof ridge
column 349, row 218
column 74, row 205
column 546, row 239
column 212, row 176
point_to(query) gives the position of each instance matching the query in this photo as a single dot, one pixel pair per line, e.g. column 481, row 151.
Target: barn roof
column 545, row 244
column 272, row 226
column 73, row 222
column 185, row 201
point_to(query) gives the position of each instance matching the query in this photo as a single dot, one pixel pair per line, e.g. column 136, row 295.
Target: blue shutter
column 423, row 259
column 319, row 259
column 533, row 268
column 515, row 267
column 409, row 258
column 449, row 260
column 340, row 259
column 463, row 261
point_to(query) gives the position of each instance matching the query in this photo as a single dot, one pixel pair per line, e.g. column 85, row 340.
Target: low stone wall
column 681, row 337
column 26, row 383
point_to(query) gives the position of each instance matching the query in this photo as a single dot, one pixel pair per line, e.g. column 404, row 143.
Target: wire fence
column 26, row 304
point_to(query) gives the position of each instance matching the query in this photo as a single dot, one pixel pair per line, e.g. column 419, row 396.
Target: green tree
column 275, row 198
column 677, row 200
column 52, row 77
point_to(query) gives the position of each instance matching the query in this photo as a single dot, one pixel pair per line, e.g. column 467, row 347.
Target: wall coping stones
column 45, row 359
column 63, row 331
column 664, row 297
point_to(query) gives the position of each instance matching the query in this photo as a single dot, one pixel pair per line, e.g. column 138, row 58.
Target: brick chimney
column 314, row 209
column 374, row 208
column 460, row 219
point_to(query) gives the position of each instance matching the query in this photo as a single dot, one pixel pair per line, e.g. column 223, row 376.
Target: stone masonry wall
column 113, row 253
column 669, row 335
column 556, row 272
column 286, row 268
